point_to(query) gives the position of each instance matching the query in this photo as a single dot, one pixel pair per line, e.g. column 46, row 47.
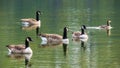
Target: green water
column 100, row 51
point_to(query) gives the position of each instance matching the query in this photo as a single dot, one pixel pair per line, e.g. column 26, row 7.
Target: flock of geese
column 25, row 48
column 51, row 38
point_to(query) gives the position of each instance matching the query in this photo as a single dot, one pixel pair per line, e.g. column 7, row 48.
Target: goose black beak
column 7, row 45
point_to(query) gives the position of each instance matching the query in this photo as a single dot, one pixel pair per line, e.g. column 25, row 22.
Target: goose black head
column 66, row 28
column 37, row 15
column 83, row 26
column 29, row 39
column 108, row 22
column 38, row 12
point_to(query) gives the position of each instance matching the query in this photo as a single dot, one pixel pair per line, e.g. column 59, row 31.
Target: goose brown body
column 54, row 37
column 107, row 26
column 77, row 34
column 20, row 48
column 32, row 21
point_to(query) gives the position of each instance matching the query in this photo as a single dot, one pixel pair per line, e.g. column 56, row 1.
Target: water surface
column 101, row 50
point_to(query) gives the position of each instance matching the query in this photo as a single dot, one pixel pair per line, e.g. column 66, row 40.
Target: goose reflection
column 83, row 45
column 50, row 44
column 65, row 49
column 108, row 32
column 31, row 27
column 27, row 58
column 79, row 39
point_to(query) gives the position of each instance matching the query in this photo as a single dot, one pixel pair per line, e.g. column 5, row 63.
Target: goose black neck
column 37, row 16
column 26, row 43
column 65, row 33
column 82, row 31
column 108, row 24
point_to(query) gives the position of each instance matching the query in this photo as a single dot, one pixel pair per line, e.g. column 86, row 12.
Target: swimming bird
column 108, row 26
column 20, row 48
column 31, row 21
column 77, row 34
column 80, row 36
column 50, row 38
column 83, row 34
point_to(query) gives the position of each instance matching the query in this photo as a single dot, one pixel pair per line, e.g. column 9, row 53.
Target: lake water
column 101, row 50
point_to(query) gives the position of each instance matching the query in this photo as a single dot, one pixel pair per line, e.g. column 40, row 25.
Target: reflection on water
column 49, row 45
column 31, row 27
column 101, row 50
column 83, row 45
column 108, row 32
column 65, row 49
column 27, row 58
column 79, row 39
column 44, row 43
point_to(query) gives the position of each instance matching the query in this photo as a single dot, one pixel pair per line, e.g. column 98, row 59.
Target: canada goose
column 31, row 21
column 49, row 38
column 108, row 26
column 20, row 48
column 76, row 35
column 83, row 34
